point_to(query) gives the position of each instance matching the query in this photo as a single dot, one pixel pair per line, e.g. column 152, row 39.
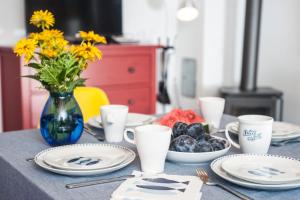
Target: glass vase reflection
column 61, row 121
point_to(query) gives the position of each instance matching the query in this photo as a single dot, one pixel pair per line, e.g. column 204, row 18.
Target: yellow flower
column 47, row 35
column 51, row 48
column 74, row 49
column 43, row 19
column 25, row 47
column 53, row 33
column 86, row 51
column 49, row 53
column 91, row 36
column 34, row 36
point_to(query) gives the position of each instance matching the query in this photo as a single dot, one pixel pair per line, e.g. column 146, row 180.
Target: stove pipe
column 251, row 45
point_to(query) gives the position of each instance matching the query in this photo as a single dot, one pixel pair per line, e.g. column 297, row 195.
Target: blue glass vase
column 61, row 121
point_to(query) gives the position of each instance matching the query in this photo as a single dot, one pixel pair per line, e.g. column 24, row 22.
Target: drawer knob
column 130, row 102
column 131, row 69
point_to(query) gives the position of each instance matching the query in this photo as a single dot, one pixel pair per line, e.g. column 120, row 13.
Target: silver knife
column 157, row 187
column 282, row 143
column 89, row 131
column 97, row 182
column 163, row 180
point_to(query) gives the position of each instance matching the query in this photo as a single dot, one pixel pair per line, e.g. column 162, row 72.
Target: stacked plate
column 281, row 131
column 84, row 159
column 267, row 172
column 133, row 120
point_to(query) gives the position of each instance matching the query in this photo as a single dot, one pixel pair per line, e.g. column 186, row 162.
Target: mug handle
column 132, row 141
column 229, row 138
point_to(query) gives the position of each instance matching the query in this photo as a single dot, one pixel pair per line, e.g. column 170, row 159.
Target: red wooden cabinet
column 10, row 90
column 126, row 73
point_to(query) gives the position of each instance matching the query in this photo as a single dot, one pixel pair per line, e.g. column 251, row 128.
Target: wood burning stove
column 248, row 99
column 263, row 101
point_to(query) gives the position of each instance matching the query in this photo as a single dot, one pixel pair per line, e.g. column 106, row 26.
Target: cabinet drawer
column 138, row 100
column 114, row 70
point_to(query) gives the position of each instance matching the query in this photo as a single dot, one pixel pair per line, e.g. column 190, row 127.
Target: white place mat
column 187, row 187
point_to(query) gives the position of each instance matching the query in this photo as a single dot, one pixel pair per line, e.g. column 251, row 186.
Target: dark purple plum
column 196, row 131
column 183, row 143
column 217, row 144
column 179, row 128
column 203, row 146
column 207, row 137
column 172, row 147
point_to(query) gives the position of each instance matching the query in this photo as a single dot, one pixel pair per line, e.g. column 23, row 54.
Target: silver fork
column 206, row 180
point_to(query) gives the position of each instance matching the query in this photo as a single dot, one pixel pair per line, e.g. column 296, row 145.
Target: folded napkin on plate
column 159, row 187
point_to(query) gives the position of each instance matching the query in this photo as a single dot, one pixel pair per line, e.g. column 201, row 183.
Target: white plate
column 263, row 169
column 93, row 123
column 39, row 160
column 195, row 158
column 78, row 157
column 216, row 167
column 133, row 120
column 281, row 130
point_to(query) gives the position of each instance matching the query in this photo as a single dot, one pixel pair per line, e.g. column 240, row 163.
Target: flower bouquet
column 57, row 66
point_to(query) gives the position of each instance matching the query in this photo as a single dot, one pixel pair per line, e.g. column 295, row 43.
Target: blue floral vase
column 61, row 121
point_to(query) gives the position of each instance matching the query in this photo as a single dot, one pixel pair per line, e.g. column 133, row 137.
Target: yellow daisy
column 26, row 47
column 53, row 33
column 86, row 51
column 34, row 36
column 49, row 53
column 52, row 48
column 91, row 36
column 46, row 35
column 43, row 19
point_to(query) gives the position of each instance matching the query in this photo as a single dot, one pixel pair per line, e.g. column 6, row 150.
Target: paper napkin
column 159, row 187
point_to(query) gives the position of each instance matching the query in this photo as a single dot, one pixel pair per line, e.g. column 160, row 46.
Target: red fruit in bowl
column 178, row 115
column 168, row 120
column 176, row 112
column 192, row 117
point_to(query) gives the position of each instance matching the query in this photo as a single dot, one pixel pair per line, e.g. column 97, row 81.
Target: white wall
column 279, row 62
column 233, row 41
column 148, row 20
column 189, row 44
column 279, row 53
column 213, row 47
column 202, row 39
column 12, row 25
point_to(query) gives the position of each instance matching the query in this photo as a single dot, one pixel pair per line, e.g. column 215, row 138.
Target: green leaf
column 34, row 65
column 76, row 83
column 61, row 76
column 32, row 77
column 49, row 75
column 71, row 71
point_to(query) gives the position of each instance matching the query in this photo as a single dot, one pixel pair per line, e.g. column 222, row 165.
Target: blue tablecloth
column 23, row 180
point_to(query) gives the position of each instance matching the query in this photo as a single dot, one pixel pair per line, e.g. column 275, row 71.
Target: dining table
column 24, row 180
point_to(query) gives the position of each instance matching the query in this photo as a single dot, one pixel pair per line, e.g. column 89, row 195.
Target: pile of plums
column 192, row 138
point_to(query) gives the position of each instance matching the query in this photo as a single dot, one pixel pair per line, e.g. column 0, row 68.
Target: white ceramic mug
column 212, row 109
column 255, row 133
column 113, row 119
column 152, row 142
